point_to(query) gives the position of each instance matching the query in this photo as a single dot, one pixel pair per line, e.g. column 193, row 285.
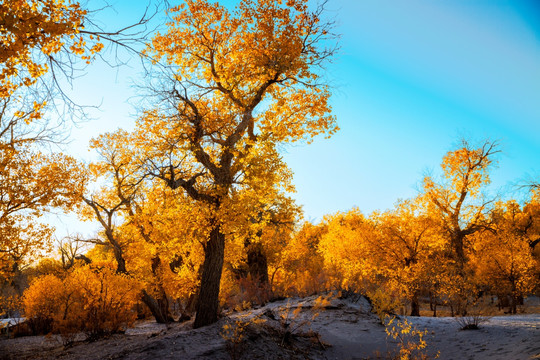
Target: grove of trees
column 194, row 202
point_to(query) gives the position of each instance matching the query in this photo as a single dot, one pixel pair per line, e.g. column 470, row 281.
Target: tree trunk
column 459, row 251
column 258, row 264
column 513, row 297
column 207, row 306
column 415, row 305
column 159, row 307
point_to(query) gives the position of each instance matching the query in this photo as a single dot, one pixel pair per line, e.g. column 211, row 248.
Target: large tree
column 239, row 83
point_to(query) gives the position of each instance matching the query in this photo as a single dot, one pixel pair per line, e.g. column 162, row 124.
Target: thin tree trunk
column 258, row 264
column 207, row 306
column 415, row 305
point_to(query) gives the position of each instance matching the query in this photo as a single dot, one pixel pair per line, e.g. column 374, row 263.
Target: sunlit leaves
column 92, row 299
column 31, row 33
column 30, row 183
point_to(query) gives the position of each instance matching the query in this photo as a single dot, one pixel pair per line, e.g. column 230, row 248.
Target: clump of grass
column 479, row 313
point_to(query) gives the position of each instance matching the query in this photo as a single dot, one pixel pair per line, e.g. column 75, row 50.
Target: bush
column 384, row 303
column 41, row 302
column 410, row 341
column 91, row 299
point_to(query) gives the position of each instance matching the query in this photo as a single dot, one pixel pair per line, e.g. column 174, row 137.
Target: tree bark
column 207, row 306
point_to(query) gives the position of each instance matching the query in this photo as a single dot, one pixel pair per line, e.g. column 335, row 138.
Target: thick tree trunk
column 415, row 306
column 459, row 250
column 207, row 306
column 257, row 264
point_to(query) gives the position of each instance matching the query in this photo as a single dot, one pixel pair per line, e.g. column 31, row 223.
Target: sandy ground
column 345, row 330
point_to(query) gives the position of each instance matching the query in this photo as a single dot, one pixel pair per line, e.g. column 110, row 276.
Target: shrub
column 411, row 343
column 42, row 301
column 477, row 314
column 233, row 332
column 91, row 299
column 383, row 303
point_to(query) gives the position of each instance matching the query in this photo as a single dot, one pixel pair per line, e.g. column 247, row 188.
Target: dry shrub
column 245, row 292
column 477, row 314
column 91, row 299
column 410, row 341
column 294, row 324
column 233, row 332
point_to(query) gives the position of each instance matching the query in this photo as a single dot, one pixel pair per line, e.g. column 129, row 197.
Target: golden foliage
column 411, row 342
column 30, row 183
column 91, row 299
column 32, row 32
column 503, row 257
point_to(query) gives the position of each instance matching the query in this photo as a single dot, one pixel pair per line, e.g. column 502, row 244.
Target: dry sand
column 346, row 330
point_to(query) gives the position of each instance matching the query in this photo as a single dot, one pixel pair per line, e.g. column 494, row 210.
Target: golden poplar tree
column 504, row 258
column 458, row 199
column 241, row 82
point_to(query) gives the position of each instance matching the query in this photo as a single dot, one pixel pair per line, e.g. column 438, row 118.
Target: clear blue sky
column 410, row 79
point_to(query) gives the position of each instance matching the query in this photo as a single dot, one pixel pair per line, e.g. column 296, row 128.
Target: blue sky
column 410, row 79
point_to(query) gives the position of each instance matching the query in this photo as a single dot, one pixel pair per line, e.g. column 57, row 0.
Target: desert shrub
column 480, row 312
column 91, row 299
column 384, row 302
column 108, row 300
column 294, row 323
column 410, row 341
column 233, row 332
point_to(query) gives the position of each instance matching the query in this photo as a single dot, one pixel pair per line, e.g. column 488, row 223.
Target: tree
column 257, row 246
column 407, row 240
column 40, row 40
column 458, row 199
column 345, row 247
column 531, row 227
column 119, row 207
column 504, row 258
column 299, row 269
column 33, row 32
column 240, row 83
column 31, row 183
column 44, row 39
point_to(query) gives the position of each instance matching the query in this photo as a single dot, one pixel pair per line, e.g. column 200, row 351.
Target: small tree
column 458, row 199
column 504, row 258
